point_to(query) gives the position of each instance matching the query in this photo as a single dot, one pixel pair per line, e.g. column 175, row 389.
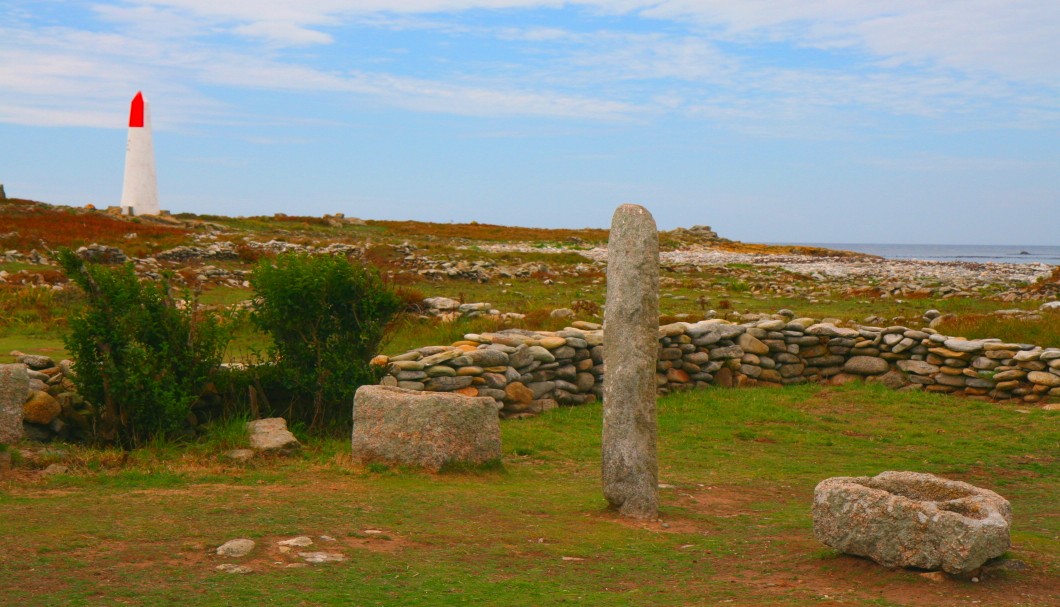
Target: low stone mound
column 424, row 429
column 910, row 519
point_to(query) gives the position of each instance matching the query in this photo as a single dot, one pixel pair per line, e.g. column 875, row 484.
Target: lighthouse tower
column 139, row 193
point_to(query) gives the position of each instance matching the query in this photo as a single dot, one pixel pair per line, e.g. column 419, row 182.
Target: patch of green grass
column 225, row 295
column 19, row 266
column 49, row 345
column 1043, row 332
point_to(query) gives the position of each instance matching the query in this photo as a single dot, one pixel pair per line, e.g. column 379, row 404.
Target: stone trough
column 910, row 519
column 427, row 430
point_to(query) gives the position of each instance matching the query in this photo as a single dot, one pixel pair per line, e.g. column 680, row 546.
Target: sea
column 1047, row 254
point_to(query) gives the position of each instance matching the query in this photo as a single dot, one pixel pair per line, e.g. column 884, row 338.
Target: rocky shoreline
column 843, row 266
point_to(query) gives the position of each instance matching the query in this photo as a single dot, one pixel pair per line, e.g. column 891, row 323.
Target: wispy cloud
column 969, row 62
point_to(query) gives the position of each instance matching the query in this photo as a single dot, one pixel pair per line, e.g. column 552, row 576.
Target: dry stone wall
column 529, row 372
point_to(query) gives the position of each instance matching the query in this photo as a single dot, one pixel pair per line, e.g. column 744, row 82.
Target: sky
column 838, row 121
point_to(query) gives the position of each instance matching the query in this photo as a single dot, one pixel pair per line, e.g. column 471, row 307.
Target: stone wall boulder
column 910, row 519
column 41, row 408
column 424, row 429
column 866, row 365
column 14, row 388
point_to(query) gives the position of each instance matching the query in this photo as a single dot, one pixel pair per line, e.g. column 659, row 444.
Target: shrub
column 142, row 358
column 326, row 317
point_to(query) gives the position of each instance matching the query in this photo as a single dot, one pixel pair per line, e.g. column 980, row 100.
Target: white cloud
column 1014, row 38
column 977, row 62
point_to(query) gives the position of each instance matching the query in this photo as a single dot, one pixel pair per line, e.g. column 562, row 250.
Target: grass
column 1043, row 332
column 533, row 531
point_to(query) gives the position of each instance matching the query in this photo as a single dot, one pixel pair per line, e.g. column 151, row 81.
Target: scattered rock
column 232, row 568
column 240, row 455
column 54, row 469
column 301, row 541
column 322, row 557
column 236, row 548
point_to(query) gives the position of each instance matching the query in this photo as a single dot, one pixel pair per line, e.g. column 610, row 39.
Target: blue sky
column 783, row 121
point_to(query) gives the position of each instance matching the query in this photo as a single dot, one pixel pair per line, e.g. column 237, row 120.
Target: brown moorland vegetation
column 27, row 224
column 485, row 231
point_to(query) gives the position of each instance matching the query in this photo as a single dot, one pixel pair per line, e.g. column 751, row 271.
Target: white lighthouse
column 139, row 193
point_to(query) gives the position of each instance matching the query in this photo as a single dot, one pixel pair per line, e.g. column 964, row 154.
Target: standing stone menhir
column 631, row 340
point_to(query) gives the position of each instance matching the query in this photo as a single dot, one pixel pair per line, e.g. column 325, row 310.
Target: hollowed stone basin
column 910, row 519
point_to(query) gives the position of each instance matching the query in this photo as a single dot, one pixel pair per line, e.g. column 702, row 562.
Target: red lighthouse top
column 136, row 112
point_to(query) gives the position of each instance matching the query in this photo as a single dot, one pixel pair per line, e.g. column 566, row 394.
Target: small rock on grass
column 271, row 435
column 236, row 548
column 322, row 557
column 300, row 541
column 240, row 455
column 232, row 568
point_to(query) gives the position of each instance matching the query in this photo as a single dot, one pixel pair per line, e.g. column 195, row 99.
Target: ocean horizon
column 974, row 253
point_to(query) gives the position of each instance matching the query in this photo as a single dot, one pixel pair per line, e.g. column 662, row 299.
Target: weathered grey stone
column 830, row 330
column 442, row 303
column 751, row 344
column 917, row 367
column 34, row 361
column 723, row 352
column 910, row 519
column 424, row 429
column 866, row 365
column 14, row 388
column 448, row 384
column 271, row 434
column 629, row 466
column 541, row 354
column 486, row 357
column 726, row 331
column 1044, row 378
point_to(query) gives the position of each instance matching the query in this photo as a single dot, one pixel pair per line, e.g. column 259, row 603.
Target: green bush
column 327, row 317
column 142, row 359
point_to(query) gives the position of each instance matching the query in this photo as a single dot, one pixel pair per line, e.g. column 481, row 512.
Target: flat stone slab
column 911, row 519
column 424, row 429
